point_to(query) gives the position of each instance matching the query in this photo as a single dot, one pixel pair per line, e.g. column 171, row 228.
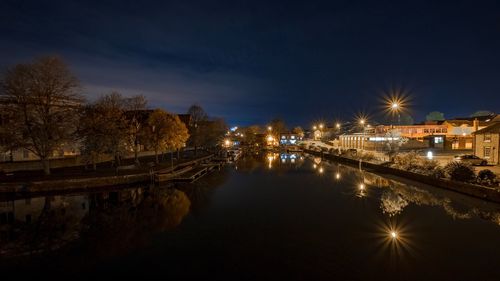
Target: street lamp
column 362, row 121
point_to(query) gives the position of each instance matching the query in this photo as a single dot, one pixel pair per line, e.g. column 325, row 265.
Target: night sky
column 250, row 61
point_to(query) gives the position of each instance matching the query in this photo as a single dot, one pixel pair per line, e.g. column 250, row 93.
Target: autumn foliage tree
column 42, row 101
column 165, row 132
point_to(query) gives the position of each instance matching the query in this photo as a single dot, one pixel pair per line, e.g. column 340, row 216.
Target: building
column 452, row 134
column 289, row 139
column 487, row 143
column 460, row 130
column 379, row 142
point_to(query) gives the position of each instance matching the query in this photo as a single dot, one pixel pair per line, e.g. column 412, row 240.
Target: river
column 270, row 216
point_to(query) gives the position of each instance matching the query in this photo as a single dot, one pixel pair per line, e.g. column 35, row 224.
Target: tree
column 135, row 111
column 213, row 132
column 435, row 116
column 406, row 119
column 278, row 126
column 481, row 113
column 393, row 141
column 42, row 101
column 165, row 131
column 250, row 134
column 103, row 128
column 299, row 131
column 198, row 118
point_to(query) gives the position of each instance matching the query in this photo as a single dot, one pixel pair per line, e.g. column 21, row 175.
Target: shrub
column 367, row 156
column 460, row 172
column 486, row 175
column 406, row 161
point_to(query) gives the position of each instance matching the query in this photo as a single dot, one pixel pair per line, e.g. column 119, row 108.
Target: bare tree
column 41, row 100
column 135, row 107
column 199, row 119
column 103, row 128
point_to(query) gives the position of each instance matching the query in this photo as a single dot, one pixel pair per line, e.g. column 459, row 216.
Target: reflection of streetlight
column 227, row 143
column 337, row 176
column 320, row 170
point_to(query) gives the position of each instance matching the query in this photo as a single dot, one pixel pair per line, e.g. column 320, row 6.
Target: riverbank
column 81, row 181
column 478, row 191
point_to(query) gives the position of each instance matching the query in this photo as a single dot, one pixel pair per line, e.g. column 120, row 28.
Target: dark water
column 268, row 217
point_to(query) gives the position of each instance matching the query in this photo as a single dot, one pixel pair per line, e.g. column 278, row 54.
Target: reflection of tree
column 392, row 203
column 397, row 196
column 201, row 192
column 54, row 228
column 114, row 223
column 250, row 162
column 115, row 229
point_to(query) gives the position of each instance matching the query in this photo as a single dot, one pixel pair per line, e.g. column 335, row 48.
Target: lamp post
column 396, row 108
column 362, row 122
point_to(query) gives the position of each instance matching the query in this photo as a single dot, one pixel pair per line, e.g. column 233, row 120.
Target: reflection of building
column 487, row 143
column 289, row 139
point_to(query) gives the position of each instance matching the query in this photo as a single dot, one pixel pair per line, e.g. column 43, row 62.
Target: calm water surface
column 268, row 217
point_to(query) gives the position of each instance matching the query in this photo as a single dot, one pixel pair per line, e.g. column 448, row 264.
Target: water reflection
column 394, row 239
column 110, row 222
column 396, row 196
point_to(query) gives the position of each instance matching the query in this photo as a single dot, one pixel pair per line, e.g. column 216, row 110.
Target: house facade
column 487, row 143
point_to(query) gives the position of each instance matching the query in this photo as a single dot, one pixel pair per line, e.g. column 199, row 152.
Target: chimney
column 475, row 124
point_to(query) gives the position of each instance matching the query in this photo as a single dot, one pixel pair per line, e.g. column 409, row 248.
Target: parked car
column 471, row 159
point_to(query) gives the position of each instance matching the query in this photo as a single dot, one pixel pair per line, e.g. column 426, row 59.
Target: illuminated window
column 438, row 140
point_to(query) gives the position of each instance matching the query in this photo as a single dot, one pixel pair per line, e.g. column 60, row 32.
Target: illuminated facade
column 487, row 143
column 289, row 139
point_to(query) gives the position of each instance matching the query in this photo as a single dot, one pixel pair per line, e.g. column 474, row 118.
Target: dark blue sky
column 250, row 61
